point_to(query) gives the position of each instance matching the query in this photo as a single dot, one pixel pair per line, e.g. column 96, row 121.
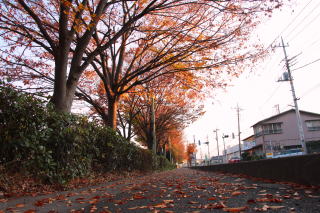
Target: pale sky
column 258, row 92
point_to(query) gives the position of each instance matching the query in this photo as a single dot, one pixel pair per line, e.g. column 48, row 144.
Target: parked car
column 216, row 159
column 289, row 153
column 234, row 160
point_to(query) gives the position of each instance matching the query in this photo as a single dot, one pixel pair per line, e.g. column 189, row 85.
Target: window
column 313, row 125
column 258, row 131
column 272, row 128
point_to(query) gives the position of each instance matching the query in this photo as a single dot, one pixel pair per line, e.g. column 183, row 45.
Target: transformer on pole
column 288, row 77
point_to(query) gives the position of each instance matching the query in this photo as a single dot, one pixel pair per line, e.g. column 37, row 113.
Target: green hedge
column 59, row 147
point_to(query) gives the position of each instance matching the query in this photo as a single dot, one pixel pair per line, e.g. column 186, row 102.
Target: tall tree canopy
column 173, row 110
column 54, row 35
column 202, row 40
column 127, row 42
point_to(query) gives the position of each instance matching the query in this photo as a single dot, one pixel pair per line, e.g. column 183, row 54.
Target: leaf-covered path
column 180, row 190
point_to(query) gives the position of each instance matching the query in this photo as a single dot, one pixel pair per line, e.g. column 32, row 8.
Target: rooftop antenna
column 277, row 107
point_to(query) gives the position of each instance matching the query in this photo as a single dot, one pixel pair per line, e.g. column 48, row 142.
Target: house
column 280, row 132
column 250, row 146
column 233, row 151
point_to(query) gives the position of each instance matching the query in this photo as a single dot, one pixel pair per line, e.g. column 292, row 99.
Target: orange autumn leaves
column 174, row 107
column 191, row 150
column 128, row 43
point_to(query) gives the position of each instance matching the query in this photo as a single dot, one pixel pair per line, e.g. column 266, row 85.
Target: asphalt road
column 180, row 190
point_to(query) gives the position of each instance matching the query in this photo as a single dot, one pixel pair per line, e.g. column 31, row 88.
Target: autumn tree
column 59, row 40
column 175, row 145
column 173, row 110
column 130, row 107
column 202, row 39
column 191, row 150
column 54, row 39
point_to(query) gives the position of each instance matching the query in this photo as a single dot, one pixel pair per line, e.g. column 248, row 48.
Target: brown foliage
column 173, row 110
column 52, row 43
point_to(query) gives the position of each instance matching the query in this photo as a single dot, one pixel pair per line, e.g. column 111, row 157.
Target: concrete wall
column 299, row 169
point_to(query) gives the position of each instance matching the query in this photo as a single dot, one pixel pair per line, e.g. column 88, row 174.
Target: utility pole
column 208, row 147
column 199, row 143
column 239, row 138
column 153, row 124
column 194, row 155
column 216, row 131
column 224, row 146
column 290, row 79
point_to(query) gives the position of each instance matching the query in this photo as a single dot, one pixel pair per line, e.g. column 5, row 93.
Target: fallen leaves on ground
column 18, row 185
column 166, row 193
column 236, row 193
column 274, row 200
column 138, row 207
column 160, row 205
column 212, row 198
column 168, row 201
column 43, row 201
column 20, row 205
column 29, row 211
column 138, row 196
column 236, row 209
column 267, row 207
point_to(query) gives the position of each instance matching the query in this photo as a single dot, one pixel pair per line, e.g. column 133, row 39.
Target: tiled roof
column 283, row 113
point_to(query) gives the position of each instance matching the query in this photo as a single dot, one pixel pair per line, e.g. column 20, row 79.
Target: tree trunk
column 64, row 90
column 61, row 51
column 60, row 88
column 149, row 139
column 112, row 112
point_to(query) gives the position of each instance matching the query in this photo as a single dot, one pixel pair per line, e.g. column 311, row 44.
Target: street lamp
column 224, row 146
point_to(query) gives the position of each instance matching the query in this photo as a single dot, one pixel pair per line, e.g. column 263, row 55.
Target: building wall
column 289, row 135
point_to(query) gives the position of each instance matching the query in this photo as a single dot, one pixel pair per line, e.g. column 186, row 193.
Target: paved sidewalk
column 180, row 190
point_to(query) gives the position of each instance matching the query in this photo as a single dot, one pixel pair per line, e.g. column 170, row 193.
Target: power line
column 305, row 26
column 304, row 18
column 295, row 18
column 306, row 64
column 290, row 23
column 272, row 94
column 309, row 90
column 312, row 43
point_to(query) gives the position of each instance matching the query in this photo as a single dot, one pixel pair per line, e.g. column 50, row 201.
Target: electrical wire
column 305, row 26
column 303, row 19
column 272, row 94
column 311, row 44
column 306, row 64
column 309, row 90
column 288, row 25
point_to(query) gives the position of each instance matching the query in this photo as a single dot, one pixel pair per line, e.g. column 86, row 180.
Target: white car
column 289, row 153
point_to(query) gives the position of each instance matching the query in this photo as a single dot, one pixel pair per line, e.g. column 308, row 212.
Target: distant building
column 280, row 132
column 233, row 151
column 250, row 145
